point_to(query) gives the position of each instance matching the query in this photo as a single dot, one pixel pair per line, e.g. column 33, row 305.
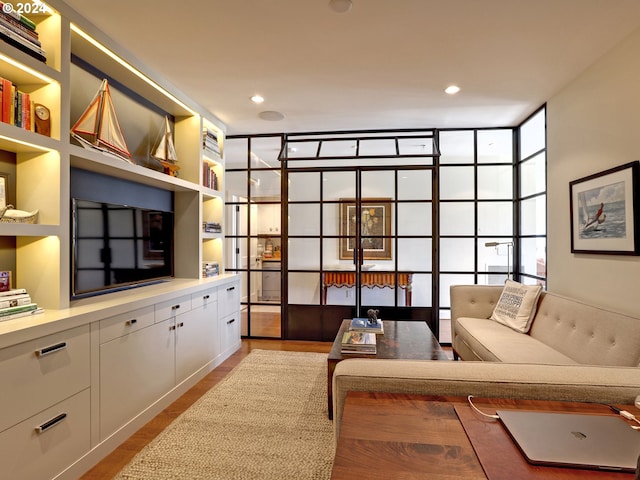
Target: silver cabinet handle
column 132, row 321
column 230, row 289
column 206, row 297
column 175, row 307
column 172, row 327
column 229, row 322
column 51, row 349
column 51, row 423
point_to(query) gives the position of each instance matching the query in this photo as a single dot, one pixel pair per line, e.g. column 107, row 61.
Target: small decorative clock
column 42, row 119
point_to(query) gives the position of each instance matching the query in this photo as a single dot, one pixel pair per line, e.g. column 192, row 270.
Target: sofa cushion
column 517, row 305
column 492, row 341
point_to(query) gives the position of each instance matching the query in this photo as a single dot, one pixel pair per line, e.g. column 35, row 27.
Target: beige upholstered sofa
column 573, row 351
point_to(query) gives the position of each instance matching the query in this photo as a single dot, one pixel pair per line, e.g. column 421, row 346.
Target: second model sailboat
column 98, row 127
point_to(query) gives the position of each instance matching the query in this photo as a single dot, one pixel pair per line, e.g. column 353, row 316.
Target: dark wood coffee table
column 386, row 435
column 402, row 339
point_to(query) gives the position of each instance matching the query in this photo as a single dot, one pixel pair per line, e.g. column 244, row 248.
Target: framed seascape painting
column 604, row 207
column 375, row 228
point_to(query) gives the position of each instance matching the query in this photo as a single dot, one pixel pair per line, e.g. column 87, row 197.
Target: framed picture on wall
column 603, row 213
column 374, row 224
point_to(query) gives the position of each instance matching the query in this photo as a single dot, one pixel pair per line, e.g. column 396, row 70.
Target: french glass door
column 357, row 238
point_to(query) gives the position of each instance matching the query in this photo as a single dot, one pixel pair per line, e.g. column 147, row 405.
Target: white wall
column 593, row 124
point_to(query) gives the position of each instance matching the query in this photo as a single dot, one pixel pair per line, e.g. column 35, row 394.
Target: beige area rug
column 266, row 420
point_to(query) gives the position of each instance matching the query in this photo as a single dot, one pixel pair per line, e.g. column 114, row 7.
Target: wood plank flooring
column 115, row 461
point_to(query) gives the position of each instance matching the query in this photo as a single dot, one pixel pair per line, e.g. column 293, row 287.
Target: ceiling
column 382, row 65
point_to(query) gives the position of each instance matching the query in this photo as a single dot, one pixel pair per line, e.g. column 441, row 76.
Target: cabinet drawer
column 48, row 442
column 37, row 374
column 229, row 331
column 171, row 308
column 120, row 325
column 228, row 299
column 203, row 298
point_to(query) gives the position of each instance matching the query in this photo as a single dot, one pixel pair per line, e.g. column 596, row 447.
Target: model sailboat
column 98, row 127
column 165, row 151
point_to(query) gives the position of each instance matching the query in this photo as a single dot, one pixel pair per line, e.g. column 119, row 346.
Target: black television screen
column 118, row 246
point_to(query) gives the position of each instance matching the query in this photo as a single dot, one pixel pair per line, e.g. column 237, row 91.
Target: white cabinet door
column 135, row 370
column 197, row 339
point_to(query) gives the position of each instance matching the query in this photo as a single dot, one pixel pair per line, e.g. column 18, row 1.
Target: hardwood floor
column 115, row 461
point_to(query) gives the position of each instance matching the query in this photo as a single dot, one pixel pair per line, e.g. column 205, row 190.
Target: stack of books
column 358, row 342
column 209, row 177
column 210, row 143
column 210, row 269
column 211, row 227
column 363, row 325
column 16, row 107
column 19, row 31
column 17, row 303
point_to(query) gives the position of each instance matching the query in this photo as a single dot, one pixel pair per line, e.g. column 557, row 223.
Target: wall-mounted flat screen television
column 118, row 246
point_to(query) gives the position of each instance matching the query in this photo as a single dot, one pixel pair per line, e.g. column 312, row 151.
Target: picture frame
column 375, row 228
column 603, row 210
column 6, row 190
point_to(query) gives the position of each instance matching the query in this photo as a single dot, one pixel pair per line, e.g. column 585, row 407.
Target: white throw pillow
column 517, row 305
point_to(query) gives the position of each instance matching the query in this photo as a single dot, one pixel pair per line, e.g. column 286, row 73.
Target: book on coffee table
column 363, row 325
column 359, row 342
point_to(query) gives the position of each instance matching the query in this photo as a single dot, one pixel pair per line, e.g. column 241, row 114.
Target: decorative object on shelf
column 211, row 227
column 165, row 151
column 210, row 269
column 210, row 143
column 42, row 119
column 9, row 214
column 603, row 211
column 372, row 316
column 20, row 31
column 5, row 281
column 98, row 127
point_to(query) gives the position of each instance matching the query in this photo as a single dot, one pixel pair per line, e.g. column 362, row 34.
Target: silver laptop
column 602, row 442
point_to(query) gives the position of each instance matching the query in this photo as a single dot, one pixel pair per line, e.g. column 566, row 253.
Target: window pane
column 495, row 182
column 330, row 218
column 414, row 184
column 265, row 184
column 496, row 261
column 456, row 254
column 413, row 254
column 495, row 218
column 457, row 218
column 456, row 183
column 304, row 186
column 264, row 152
column 304, row 288
column 495, row 146
column 337, row 185
column 235, row 186
column 446, row 281
column 532, row 135
column 414, row 218
column 304, row 253
column 378, row 184
column 533, row 175
column 420, row 290
column 456, row 147
column 304, row 219
column 236, row 152
column 533, row 219
column 533, row 256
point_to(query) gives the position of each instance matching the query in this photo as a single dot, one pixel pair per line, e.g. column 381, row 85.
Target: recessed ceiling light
column 271, row 116
column 340, row 6
column 452, row 89
column 257, row 99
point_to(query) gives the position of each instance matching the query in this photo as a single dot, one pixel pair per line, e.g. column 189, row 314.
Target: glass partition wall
column 416, row 211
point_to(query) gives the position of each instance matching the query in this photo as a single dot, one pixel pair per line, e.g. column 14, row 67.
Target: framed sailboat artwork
column 604, row 207
column 98, row 127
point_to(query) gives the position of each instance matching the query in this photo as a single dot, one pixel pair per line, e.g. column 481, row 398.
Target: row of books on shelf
column 209, row 177
column 210, row 143
column 16, row 107
column 17, row 303
column 20, row 32
column 361, row 336
column 210, row 269
column 211, row 227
